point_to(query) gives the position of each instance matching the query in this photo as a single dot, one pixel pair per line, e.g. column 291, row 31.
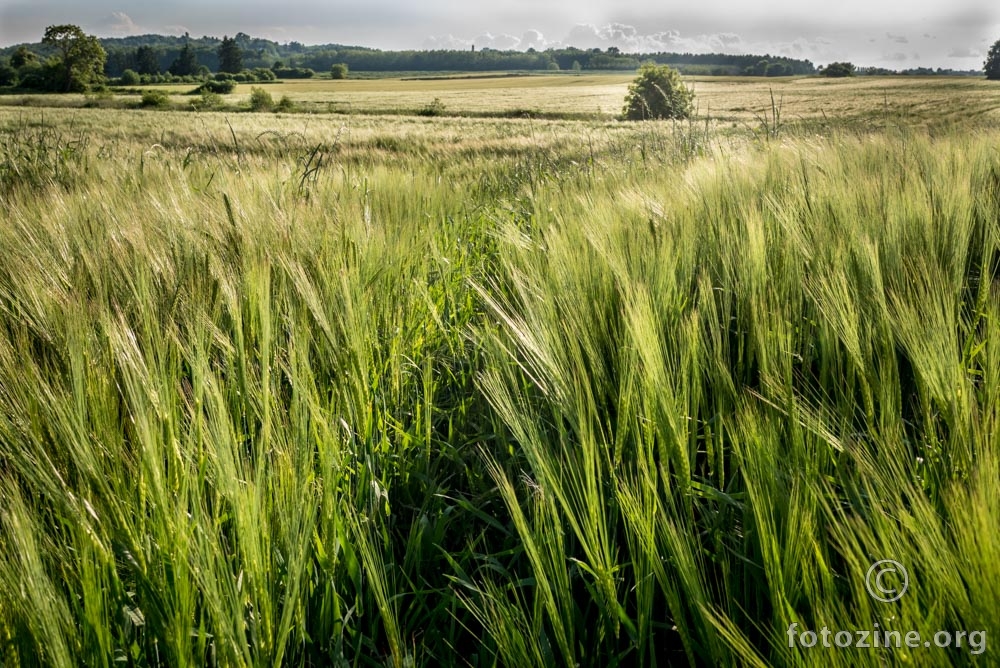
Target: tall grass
column 635, row 401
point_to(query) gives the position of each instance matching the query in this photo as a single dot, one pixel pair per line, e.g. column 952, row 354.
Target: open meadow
column 384, row 389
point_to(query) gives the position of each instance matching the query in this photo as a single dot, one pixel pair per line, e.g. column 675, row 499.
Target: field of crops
column 722, row 100
column 358, row 389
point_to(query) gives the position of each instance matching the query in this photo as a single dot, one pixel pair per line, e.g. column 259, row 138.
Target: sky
column 888, row 33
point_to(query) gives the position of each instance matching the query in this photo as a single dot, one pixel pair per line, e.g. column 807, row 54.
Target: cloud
column 895, row 57
column 446, row 42
column 532, row 39
column 120, row 23
column 898, row 39
column 631, row 39
column 487, row 40
column 965, row 52
column 501, row 42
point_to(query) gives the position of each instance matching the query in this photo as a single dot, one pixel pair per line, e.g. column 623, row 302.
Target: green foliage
column 217, row 86
column 420, row 395
column 146, row 60
column 186, row 62
column 21, row 57
column 838, row 70
column 207, row 100
column 129, row 78
column 230, row 56
column 992, row 64
column 433, row 108
column 80, row 63
column 293, row 72
column 182, row 56
column 8, row 75
column 285, row 104
column 155, row 98
column 338, row 71
column 260, row 100
column 657, row 93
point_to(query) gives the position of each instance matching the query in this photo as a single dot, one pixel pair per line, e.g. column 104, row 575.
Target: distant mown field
column 384, row 389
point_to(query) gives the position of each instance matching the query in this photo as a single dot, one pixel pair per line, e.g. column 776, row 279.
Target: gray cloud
column 965, row 52
column 120, row 23
column 797, row 28
column 532, row 39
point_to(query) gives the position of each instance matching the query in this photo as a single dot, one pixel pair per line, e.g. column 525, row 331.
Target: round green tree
column 658, row 92
column 338, row 71
column 992, row 64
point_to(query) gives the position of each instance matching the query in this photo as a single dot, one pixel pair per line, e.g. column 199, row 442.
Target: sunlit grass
column 386, row 390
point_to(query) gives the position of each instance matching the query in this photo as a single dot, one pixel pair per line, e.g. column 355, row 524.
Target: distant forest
column 155, row 55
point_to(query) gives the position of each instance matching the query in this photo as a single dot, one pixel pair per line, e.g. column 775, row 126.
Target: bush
column 838, row 70
column 263, row 74
column 207, row 100
column 260, row 100
column 154, row 98
column 338, row 71
column 294, row 72
column 657, row 92
column 285, row 104
column 129, row 78
column 217, row 87
column 435, row 108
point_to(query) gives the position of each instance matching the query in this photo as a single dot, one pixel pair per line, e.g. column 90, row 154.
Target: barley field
column 338, row 389
column 722, row 100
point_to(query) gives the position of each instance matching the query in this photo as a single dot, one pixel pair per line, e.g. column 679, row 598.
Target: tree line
column 185, row 56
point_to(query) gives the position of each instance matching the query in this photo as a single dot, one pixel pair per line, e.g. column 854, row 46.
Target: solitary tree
column 338, row 71
column 992, row 64
column 230, row 56
column 657, row 92
column 129, row 78
column 81, row 57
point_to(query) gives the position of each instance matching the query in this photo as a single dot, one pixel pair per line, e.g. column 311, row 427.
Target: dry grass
column 739, row 100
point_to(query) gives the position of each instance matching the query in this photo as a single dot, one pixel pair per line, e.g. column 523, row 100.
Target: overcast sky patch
column 819, row 31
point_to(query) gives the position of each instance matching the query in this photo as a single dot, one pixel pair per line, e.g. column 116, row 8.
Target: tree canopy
column 992, row 64
column 657, row 92
column 81, row 57
column 186, row 62
column 230, row 55
column 838, row 70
